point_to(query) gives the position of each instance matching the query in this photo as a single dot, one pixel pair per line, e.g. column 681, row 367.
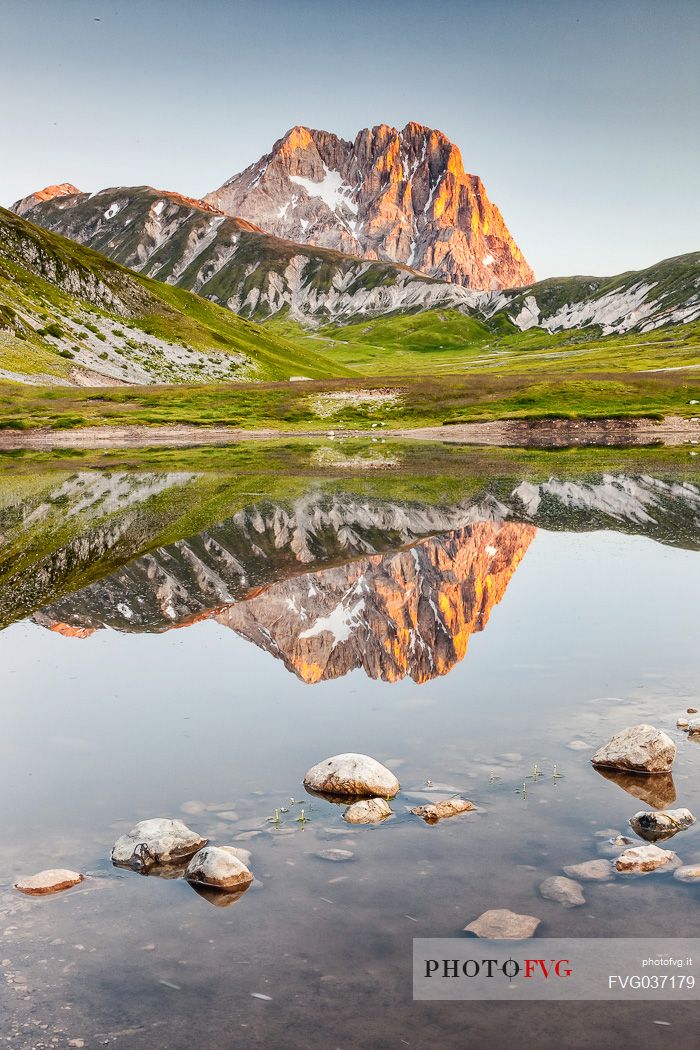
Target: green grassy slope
column 446, row 341
column 67, row 310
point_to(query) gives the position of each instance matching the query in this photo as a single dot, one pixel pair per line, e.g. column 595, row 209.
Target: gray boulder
column 219, row 868
column 368, row 811
column 643, row 859
column 352, row 776
column 641, row 749
column 662, row 825
column 156, row 841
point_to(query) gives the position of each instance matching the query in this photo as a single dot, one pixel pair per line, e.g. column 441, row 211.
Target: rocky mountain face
column 62, row 189
column 191, row 244
column 402, row 196
column 69, row 530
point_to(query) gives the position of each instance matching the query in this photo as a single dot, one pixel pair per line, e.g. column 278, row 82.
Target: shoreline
column 543, row 433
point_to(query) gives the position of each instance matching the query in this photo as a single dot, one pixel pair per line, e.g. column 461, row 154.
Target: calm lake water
column 178, row 645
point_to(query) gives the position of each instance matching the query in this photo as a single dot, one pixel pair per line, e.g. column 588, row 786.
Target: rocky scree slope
column 69, row 315
column 188, row 243
column 667, row 293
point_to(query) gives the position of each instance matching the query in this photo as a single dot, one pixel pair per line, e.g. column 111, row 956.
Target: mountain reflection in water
column 327, row 582
column 408, row 612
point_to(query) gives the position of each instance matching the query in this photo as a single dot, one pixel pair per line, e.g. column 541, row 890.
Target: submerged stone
column 52, row 880
column 368, row 811
column 591, row 870
column 612, row 847
column 448, row 807
column 351, row 775
column 338, row 856
column 641, row 748
column 157, row 841
column 502, row 924
column 687, row 873
column 563, row 891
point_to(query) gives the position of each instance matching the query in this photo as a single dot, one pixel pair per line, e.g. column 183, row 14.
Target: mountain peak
column 397, row 196
column 298, row 137
column 414, row 128
column 61, row 189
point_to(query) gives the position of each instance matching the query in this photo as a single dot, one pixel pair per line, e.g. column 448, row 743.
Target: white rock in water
column 448, row 807
column 336, row 855
column 694, row 726
column 687, row 873
column 244, row 855
column 641, row 748
column 53, row 880
column 502, row 924
column 563, row 891
column 156, row 841
column 219, row 868
column 682, row 722
column 613, row 847
column 642, row 859
column 352, row 775
column 591, row 871
column 368, row 811
column 652, row 825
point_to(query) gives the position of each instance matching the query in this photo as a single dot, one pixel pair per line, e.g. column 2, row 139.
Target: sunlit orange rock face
column 68, row 630
column 402, row 196
column 63, row 189
column 409, row 613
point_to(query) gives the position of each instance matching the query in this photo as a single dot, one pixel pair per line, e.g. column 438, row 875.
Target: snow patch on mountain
column 333, row 191
column 341, row 621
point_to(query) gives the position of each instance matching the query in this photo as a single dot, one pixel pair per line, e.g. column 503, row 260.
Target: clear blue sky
column 581, row 117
